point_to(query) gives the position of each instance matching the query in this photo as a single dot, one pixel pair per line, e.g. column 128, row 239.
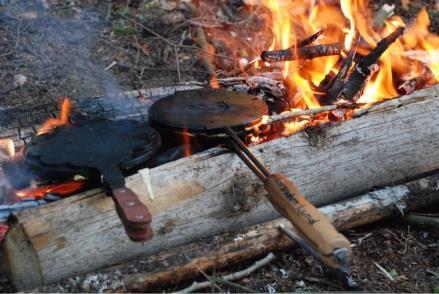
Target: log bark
column 214, row 192
column 168, row 268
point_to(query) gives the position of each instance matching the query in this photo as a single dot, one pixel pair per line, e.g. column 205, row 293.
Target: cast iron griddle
column 217, row 113
column 104, row 147
column 208, row 110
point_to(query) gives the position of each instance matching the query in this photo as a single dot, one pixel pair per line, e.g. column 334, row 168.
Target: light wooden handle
column 305, row 217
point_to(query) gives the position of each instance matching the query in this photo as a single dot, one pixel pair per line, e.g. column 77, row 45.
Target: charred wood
column 364, row 69
column 294, row 53
column 337, row 83
column 310, row 39
column 355, row 85
column 272, row 87
column 426, row 79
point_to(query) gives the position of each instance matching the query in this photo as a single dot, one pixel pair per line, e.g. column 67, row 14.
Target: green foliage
column 122, row 28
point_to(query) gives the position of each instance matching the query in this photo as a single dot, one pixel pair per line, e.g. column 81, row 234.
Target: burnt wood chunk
column 294, row 53
column 365, row 68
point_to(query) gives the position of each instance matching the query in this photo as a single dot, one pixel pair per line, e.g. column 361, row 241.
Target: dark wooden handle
column 307, row 219
column 135, row 216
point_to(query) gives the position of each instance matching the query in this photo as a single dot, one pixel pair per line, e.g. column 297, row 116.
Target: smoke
column 52, row 49
column 58, row 47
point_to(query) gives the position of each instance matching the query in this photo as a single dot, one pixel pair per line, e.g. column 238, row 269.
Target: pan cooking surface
column 95, row 144
column 208, row 110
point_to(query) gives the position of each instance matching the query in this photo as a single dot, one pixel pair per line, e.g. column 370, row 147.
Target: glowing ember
column 186, row 140
column 61, row 190
column 63, row 118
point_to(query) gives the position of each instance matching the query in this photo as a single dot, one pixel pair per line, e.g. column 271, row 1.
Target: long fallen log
column 168, row 268
column 213, row 192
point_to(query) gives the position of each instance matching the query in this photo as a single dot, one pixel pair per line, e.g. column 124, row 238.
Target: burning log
column 294, row 53
column 364, row 69
column 213, row 192
column 336, row 85
column 253, row 241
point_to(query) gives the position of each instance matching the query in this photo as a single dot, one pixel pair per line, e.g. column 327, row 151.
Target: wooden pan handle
column 135, row 216
column 306, row 218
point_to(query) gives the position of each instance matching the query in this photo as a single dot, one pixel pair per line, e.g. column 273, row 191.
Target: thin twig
column 233, row 276
column 243, row 288
column 136, row 62
column 299, row 112
column 177, row 63
column 170, row 43
column 383, row 270
column 210, row 280
column 17, row 41
column 109, row 9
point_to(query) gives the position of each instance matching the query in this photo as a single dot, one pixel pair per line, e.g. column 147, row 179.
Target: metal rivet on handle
column 130, row 203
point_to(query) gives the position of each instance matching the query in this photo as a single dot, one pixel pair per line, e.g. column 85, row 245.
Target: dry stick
column 178, row 64
column 301, row 43
column 17, row 41
column 384, row 271
column 233, row 276
column 363, row 69
column 294, row 53
column 210, row 279
column 299, row 112
column 245, row 289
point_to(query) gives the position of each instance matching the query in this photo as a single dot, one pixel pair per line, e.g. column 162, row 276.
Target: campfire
column 288, row 66
column 310, row 62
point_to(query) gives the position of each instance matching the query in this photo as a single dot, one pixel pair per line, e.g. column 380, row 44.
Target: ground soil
column 50, row 49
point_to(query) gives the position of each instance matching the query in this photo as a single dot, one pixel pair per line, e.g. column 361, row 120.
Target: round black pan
column 104, row 147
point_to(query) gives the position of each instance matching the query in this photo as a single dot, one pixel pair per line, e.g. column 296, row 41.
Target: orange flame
column 187, row 151
column 342, row 23
column 63, row 118
column 62, row 190
column 214, row 82
column 414, row 56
